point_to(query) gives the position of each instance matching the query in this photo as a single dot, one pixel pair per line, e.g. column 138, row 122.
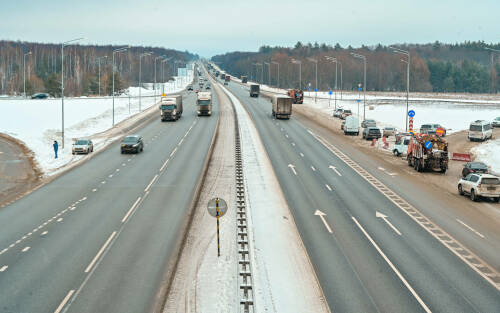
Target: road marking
column 328, row 187
column 471, row 229
column 293, row 168
column 129, row 160
column 384, row 217
column 286, row 135
column 180, row 142
column 65, row 300
column 60, row 219
column 103, row 182
column 322, row 217
column 413, row 292
column 335, row 170
column 123, row 164
column 164, row 165
column 100, row 252
column 152, row 181
column 381, row 168
column 3, row 268
column 130, row 210
column 44, row 233
column 302, row 154
column 94, row 190
column 117, row 169
column 25, row 249
column 110, row 175
column 171, row 154
column 312, row 167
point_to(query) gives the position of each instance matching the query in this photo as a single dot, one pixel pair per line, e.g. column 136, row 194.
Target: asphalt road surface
column 370, row 253
column 99, row 237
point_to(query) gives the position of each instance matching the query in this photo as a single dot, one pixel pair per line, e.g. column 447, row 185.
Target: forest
column 435, row 67
column 81, row 67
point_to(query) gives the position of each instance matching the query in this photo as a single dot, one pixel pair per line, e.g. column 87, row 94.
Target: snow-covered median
column 489, row 153
column 38, row 122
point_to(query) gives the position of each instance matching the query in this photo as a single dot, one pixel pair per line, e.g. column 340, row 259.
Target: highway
column 372, row 250
column 100, row 237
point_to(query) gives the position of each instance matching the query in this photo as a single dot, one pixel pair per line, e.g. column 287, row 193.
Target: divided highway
column 100, row 237
column 369, row 252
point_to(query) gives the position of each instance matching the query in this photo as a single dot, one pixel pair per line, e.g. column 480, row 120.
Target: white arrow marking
column 329, row 188
column 384, row 217
column 286, row 135
column 335, row 170
column 302, row 154
column 322, row 216
column 293, row 168
column 312, row 167
column 381, row 168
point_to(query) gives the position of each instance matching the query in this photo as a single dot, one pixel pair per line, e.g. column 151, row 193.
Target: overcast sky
column 218, row 26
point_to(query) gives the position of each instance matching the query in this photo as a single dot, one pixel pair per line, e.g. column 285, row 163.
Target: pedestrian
column 56, row 147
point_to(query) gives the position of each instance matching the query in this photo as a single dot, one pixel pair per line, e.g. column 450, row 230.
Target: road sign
column 309, row 88
column 428, row 144
column 163, row 94
column 359, row 100
column 411, row 113
column 212, row 207
column 440, row 131
column 316, row 89
column 359, row 89
column 330, row 92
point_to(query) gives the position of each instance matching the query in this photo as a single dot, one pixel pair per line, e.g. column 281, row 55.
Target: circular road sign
column 330, row 92
column 428, row 144
column 212, row 207
column 411, row 113
column 316, row 89
column 440, row 131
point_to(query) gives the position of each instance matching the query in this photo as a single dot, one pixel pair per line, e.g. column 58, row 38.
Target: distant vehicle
column 190, row 87
column 338, row 113
column 244, row 79
column 345, row 114
column 40, row 95
column 368, row 123
column 222, row 76
column 171, row 108
column 207, row 87
column 401, row 145
column 197, row 90
column 254, row 90
column 342, row 125
column 480, row 130
column 430, row 129
column 204, row 103
column 351, row 126
column 227, row 79
column 427, row 152
column 132, row 143
column 389, row 131
column 82, row 146
column 474, row 167
column 217, row 74
column 371, row 133
column 201, row 85
column 297, row 95
column 480, row 185
column 496, row 122
column 281, row 106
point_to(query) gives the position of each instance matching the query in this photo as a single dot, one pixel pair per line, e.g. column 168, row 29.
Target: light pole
column 62, row 85
column 118, row 50
column 300, row 71
column 140, row 75
column 163, row 74
column 278, row 84
column 154, row 86
column 24, row 69
column 491, row 61
column 359, row 56
column 316, row 86
column 269, row 72
column 99, row 62
column 334, row 60
column 262, row 72
column 407, row 53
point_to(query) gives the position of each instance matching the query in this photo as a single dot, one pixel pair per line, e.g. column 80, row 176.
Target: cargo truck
column 281, row 106
column 204, row 103
column 254, row 90
column 297, row 95
column 428, row 152
column 171, row 108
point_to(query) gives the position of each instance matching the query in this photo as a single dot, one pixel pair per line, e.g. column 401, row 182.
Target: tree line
column 437, row 67
column 81, row 67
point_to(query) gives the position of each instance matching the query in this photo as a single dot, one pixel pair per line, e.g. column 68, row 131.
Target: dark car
column 371, row 132
column 190, row 87
column 40, row 96
column 132, row 143
column 368, row 123
column 474, row 167
column 207, row 87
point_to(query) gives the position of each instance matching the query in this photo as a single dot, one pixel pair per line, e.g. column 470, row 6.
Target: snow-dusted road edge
column 284, row 279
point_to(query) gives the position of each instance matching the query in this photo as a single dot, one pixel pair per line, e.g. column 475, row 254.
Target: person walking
column 56, row 147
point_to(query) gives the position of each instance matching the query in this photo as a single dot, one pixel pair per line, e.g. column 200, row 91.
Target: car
column 207, row 87
column 480, row 130
column 132, row 143
column 338, row 113
column 40, row 95
column 197, row 90
column 474, row 167
column 82, row 146
column 345, row 114
column 190, row 87
column 401, row 145
column 371, row 133
column 430, row 129
column 480, row 186
column 496, row 122
column 368, row 123
column 389, row 131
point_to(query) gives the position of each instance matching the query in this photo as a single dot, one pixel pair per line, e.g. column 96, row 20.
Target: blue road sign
column 309, row 88
column 428, row 144
column 359, row 100
column 316, row 89
column 411, row 113
column 359, row 89
column 330, row 92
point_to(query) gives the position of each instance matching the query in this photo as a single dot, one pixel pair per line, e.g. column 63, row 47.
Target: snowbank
column 489, row 153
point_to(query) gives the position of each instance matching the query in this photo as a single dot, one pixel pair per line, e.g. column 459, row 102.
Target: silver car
column 82, row 146
column 496, row 122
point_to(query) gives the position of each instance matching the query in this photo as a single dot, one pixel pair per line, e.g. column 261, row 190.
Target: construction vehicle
column 204, row 103
column 171, row 108
column 297, row 95
column 282, row 106
column 244, row 79
column 254, row 90
column 428, row 152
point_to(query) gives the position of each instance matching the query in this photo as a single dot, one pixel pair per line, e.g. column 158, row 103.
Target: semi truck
column 428, row 152
column 227, row 78
column 297, row 95
column 204, row 103
column 244, row 79
column 171, row 108
column 254, row 90
column 281, row 106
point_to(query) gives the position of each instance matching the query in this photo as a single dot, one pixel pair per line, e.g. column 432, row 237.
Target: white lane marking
column 293, row 144
column 164, row 165
column 410, row 288
column 94, row 190
column 110, row 175
column 129, row 160
column 322, row 217
column 25, row 249
column 335, row 170
column 130, row 210
column 381, row 168
column 3, row 268
column 180, row 142
column 328, row 187
column 44, row 233
column 65, row 300
column 471, row 229
column 103, row 182
column 293, row 168
column 89, row 267
column 60, row 219
column 152, row 181
column 72, row 208
column 286, row 135
column 117, row 169
column 312, row 167
column 123, row 164
column 171, row 154
column 384, row 217
column 302, row 154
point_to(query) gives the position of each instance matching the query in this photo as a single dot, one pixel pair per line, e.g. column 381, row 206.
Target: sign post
column 411, row 114
column 217, row 207
column 330, row 100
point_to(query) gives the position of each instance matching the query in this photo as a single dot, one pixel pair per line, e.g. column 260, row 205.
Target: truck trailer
column 171, row 108
column 281, row 106
column 254, row 90
column 244, row 79
column 204, row 103
column 428, row 152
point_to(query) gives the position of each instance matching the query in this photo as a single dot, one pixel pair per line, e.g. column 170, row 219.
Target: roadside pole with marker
column 217, row 207
column 411, row 114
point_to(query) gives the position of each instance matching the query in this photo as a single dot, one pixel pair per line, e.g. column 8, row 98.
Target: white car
column 82, row 146
column 480, row 185
column 401, row 145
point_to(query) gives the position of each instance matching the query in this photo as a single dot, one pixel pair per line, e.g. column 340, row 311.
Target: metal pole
column 300, row 76
column 407, row 89
column 364, row 93
column 140, row 72
column 113, row 92
column 99, row 60
column 278, row 75
column 218, row 237
column 341, row 82
column 62, row 94
column 24, row 70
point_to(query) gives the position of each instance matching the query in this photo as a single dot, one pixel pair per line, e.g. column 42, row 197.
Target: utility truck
column 428, row 152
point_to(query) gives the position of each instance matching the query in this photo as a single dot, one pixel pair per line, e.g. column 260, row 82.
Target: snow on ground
column 38, row 122
column 489, row 153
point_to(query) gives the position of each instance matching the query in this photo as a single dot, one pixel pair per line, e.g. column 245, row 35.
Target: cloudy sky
column 218, row 26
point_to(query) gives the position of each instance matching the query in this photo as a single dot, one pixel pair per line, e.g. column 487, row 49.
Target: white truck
column 204, row 103
column 171, row 108
column 351, row 126
column 281, row 106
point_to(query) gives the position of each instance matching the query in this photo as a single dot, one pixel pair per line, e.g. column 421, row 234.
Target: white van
column 480, row 130
column 351, row 125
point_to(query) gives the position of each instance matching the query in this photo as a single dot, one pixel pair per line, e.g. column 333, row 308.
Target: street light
column 118, row 50
column 407, row 53
column 99, row 62
column 269, row 72
column 300, row 71
column 359, row 56
column 154, row 86
column 163, row 73
column 316, row 86
column 145, row 54
column 278, row 72
column 262, row 72
column 24, row 69
column 62, row 85
column 334, row 60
